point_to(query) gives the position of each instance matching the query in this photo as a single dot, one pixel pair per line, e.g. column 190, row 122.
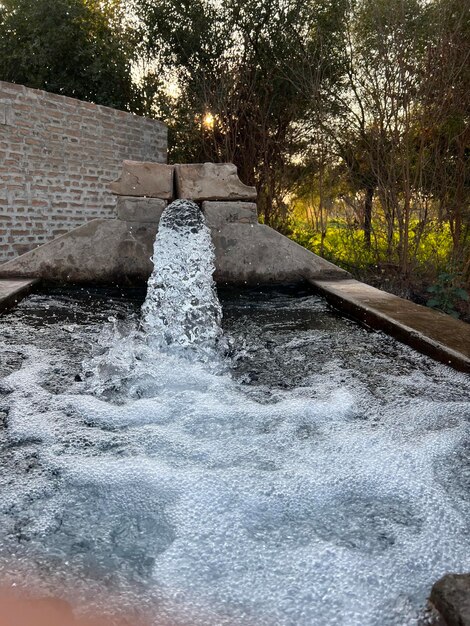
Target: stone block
column 144, row 179
column 219, row 213
column 211, row 181
column 132, row 209
column 451, row 597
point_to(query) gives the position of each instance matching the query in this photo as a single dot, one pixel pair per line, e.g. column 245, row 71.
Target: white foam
column 288, row 512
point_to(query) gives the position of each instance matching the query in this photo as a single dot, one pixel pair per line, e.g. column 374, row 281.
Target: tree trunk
column 369, row 196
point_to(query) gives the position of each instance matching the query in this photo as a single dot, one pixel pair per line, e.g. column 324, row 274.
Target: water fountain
column 280, row 466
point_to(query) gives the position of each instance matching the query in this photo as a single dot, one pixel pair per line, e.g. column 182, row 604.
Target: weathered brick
column 57, row 157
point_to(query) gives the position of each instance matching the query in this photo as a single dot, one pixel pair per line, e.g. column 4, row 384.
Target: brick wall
column 57, row 156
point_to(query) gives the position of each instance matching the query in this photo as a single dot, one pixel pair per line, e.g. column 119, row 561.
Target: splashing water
column 322, row 480
column 181, row 315
column 182, row 309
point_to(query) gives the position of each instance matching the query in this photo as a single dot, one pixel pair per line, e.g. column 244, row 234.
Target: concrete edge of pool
column 430, row 332
column 13, row 290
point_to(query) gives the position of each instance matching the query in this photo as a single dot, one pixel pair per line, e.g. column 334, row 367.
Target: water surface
column 317, row 473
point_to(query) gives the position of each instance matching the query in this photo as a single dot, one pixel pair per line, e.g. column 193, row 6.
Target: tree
column 444, row 101
column 232, row 63
column 372, row 127
column 77, row 48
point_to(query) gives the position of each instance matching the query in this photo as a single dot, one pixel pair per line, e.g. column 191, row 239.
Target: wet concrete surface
column 433, row 333
column 14, row 290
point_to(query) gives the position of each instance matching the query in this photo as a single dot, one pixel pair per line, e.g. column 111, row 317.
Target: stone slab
column 14, row 290
column 144, row 179
column 451, row 597
column 433, row 333
column 133, row 209
column 219, row 213
column 254, row 254
column 211, row 181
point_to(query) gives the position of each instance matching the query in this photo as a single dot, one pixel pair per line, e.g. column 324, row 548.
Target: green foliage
column 77, row 48
column 447, row 294
column 343, row 244
column 397, row 28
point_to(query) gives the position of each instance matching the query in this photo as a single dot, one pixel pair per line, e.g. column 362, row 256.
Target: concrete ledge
column 438, row 335
column 252, row 254
column 106, row 251
column 14, row 290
